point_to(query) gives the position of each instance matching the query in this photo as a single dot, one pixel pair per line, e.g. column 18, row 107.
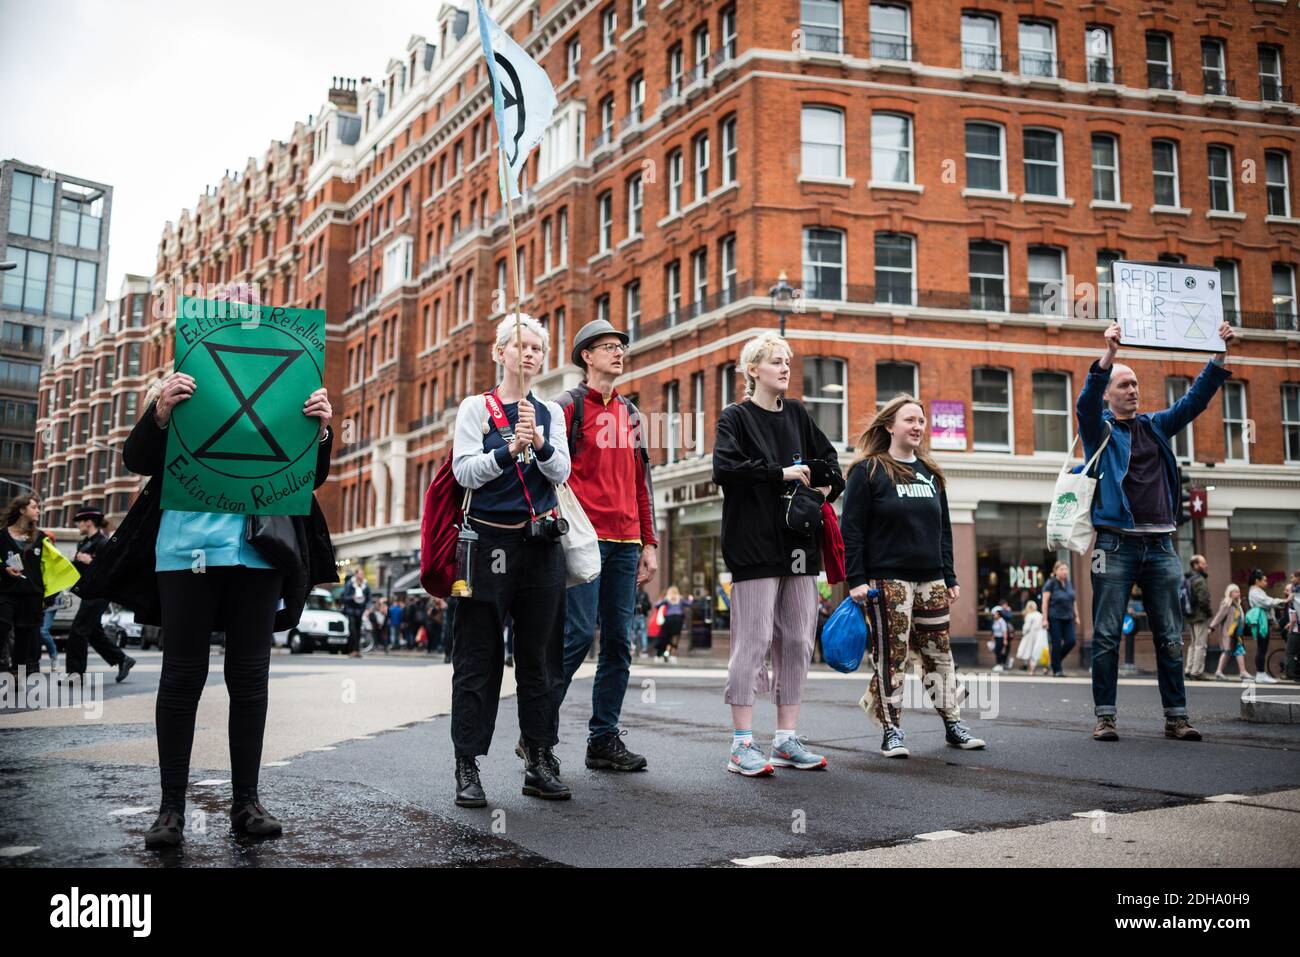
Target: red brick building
column 945, row 185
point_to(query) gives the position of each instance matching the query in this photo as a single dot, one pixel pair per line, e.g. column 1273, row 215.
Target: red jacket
column 608, row 474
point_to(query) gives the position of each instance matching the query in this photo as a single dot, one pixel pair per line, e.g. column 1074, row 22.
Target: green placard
column 241, row 444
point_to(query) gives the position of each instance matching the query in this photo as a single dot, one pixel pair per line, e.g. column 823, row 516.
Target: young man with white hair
column 611, row 479
column 517, row 568
column 1135, row 513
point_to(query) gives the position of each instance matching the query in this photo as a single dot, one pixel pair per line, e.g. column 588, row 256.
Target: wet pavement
column 385, row 799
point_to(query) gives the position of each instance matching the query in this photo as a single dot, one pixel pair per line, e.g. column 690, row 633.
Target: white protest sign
column 1168, row 306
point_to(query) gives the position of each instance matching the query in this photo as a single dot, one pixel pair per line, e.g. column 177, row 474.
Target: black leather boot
column 248, row 816
column 539, row 779
column 469, row 789
column 169, row 828
column 552, row 760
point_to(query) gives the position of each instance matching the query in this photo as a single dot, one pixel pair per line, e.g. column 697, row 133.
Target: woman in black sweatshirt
column 898, row 541
column 766, row 446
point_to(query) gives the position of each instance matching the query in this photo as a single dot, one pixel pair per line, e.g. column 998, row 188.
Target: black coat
column 124, row 572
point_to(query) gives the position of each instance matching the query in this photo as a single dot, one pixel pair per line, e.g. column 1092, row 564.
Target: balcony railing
column 1270, row 91
column 981, row 59
column 1159, row 78
column 725, row 54
column 603, row 139
column 823, row 40
column 632, row 120
column 1100, row 71
column 1035, row 63
column 888, row 49
column 671, row 91
column 1218, row 86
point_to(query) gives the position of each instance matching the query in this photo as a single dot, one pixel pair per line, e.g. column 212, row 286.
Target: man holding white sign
column 1135, row 513
column 1168, row 306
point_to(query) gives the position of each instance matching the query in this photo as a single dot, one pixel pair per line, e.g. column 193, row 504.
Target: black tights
column 241, row 602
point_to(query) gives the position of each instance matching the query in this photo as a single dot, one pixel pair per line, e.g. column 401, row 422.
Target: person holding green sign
column 199, row 572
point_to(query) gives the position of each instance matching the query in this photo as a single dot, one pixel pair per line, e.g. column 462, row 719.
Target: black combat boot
column 469, row 789
column 539, row 780
column 248, row 816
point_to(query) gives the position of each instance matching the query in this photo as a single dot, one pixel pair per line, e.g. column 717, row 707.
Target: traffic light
column 1184, row 498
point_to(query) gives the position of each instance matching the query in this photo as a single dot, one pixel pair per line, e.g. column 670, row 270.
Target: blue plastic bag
column 844, row 637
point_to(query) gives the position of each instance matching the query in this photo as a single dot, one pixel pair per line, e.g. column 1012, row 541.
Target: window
column 1164, row 171
column 1270, row 74
column 727, row 22
column 638, row 12
column 988, row 276
column 609, row 28
column 1106, row 283
column 1043, row 175
column 1291, row 421
column 726, row 385
column 891, row 32
column 1228, row 289
column 984, row 149
column 894, row 379
column 74, row 287
column 606, row 119
column 397, row 263
column 1284, row 296
column 895, row 268
column 701, row 43
column 562, row 220
column 1046, row 281
column 700, row 280
column 1100, row 53
column 701, row 152
column 602, row 307
column 634, row 206
column 24, row 287
column 1037, row 49
column 823, row 264
column 548, row 261
column 980, row 44
column 1213, row 75
column 824, row 394
column 81, row 211
column 635, row 98
column 1105, row 168
column 991, row 409
column 632, row 301
column 1220, row 173
column 31, row 205
column 674, row 71
column 673, row 291
column 1235, row 446
column 1160, row 71
column 574, row 58
column 729, row 150
column 891, row 148
column 676, row 170
column 605, row 206
column 822, row 133
column 727, row 267
column 1051, row 412
column 1175, row 388
column 1277, row 183
column 819, row 23
column 674, row 439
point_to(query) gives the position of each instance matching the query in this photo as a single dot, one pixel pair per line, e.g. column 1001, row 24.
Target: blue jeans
column 1151, row 563
column 1060, row 637
column 47, row 622
column 640, row 640
column 611, row 601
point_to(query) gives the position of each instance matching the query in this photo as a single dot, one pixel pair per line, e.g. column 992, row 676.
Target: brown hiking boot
column 1181, row 729
column 1105, row 730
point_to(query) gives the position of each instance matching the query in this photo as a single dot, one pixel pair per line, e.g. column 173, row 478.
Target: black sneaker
column 169, row 828
column 891, row 746
column 249, row 816
column 124, row 668
column 555, row 762
column 539, row 780
column 609, row 752
column 959, row 736
column 469, row 789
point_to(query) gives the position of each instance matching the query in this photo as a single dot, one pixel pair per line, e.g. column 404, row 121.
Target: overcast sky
column 158, row 98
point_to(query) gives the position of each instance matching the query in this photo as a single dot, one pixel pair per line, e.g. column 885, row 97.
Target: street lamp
column 6, row 266
column 27, row 488
column 781, row 295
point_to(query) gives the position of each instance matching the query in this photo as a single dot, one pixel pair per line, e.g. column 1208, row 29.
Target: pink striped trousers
column 771, row 613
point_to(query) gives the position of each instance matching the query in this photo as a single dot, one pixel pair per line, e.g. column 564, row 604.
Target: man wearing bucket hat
column 611, row 479
column 86, row 628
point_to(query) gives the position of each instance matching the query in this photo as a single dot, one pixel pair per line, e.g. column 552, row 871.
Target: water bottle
column 466, row 543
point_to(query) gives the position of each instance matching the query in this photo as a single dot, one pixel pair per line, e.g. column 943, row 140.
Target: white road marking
column 129, row 811
column 939, row 835
column 328, row 747
column 18, row 850
column 757, row 861
column 1220, row 798
column 276, row 764
column 1092, row 814
column 213, row 782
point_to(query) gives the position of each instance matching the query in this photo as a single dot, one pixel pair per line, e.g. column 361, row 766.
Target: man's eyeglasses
column 611, row 348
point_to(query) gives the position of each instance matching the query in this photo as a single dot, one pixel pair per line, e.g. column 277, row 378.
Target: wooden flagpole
column 514, row 273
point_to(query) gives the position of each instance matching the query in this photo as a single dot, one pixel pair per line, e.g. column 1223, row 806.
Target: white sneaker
column 672, row 659
column 1265, row 678
column 997, row 669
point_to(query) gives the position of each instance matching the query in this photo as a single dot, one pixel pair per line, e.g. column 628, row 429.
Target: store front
column 696, row 567
column 1012, row 560
column 1265, row 539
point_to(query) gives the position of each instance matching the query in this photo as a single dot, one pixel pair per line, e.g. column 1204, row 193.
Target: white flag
column 523, row 98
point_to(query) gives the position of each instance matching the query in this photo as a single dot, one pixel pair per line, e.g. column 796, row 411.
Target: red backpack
column 439, row 529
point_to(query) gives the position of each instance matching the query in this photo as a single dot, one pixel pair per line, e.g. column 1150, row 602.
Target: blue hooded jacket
column 1110, row 505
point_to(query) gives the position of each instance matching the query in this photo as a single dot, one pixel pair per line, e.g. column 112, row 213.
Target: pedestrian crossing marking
column 757, row 861
column 939, row 835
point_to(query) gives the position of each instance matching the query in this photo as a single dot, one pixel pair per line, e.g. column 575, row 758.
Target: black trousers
column 87, row 630
column 241, row 602
column 527, row 581
column 20, row 633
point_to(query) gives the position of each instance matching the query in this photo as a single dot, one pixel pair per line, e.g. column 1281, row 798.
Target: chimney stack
column 343, row 94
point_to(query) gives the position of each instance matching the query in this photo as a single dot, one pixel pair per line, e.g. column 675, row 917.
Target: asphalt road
column 386, row 799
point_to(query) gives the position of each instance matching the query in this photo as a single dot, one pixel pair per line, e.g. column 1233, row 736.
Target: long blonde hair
column 873, row 446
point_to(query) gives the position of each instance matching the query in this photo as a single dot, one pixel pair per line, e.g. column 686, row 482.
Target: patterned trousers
column 916, row 622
